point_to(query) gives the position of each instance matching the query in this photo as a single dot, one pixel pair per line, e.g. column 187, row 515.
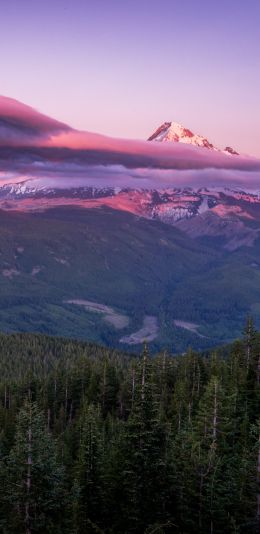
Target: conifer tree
column 88, row 484
column 33, row 477
column 144, row 455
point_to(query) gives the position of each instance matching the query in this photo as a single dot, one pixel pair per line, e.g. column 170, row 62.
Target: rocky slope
column 234, row 215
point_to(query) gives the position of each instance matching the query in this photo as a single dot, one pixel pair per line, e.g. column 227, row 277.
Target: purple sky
column 123, row 67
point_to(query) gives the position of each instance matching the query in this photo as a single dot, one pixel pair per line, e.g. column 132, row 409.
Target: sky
column 121, row 68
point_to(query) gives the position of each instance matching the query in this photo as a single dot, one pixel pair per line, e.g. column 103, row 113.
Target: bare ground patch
column 62, row 261
column 192, row 327
column 148, row 332
column 116, row 319
column 35, row 270
column 10, row 273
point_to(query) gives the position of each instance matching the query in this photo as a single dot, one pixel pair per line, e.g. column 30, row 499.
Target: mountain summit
column 175, row 132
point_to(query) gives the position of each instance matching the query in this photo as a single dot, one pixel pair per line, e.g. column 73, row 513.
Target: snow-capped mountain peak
column 175, row 132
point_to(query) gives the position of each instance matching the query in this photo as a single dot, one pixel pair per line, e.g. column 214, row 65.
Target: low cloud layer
column 33, row 146
column 21, row 125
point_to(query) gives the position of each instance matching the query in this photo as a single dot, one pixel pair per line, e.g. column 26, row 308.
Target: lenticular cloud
column 50, row 152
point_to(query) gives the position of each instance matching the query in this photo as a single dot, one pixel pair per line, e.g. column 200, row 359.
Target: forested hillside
column 98, row 441
column 102, row 275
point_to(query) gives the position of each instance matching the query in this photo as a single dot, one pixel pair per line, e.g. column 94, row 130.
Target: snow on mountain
column 175, row 132
column 171, row 204
column 35, row 190
column 196, row 211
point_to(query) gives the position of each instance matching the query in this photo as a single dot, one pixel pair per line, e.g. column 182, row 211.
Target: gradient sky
column 123, row 67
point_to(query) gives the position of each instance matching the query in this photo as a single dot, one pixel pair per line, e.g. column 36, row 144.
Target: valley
column 96, row 274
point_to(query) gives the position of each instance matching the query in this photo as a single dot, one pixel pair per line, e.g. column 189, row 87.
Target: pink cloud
column 22, row 125
column 161, row 155
column 39, row 147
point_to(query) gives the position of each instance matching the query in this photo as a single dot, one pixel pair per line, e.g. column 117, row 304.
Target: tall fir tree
column 89, row 479
column 144, row 470
column 35, row 496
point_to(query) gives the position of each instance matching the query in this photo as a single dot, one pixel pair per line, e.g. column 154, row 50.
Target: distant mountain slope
column 115, row 278
column 232, row 215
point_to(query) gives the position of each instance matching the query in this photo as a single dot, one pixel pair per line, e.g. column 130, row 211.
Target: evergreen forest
column 98, row 441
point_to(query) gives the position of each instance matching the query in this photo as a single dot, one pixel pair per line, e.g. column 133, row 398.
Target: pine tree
column 249, row 339
column 33, row 478
column 144, row 477
column 209, row 442
column 88, row 484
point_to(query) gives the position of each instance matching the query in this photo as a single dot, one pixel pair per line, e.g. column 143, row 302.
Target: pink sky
column 122, row 68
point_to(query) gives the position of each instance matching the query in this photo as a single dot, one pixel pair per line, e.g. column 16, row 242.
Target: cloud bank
column 47, row 151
